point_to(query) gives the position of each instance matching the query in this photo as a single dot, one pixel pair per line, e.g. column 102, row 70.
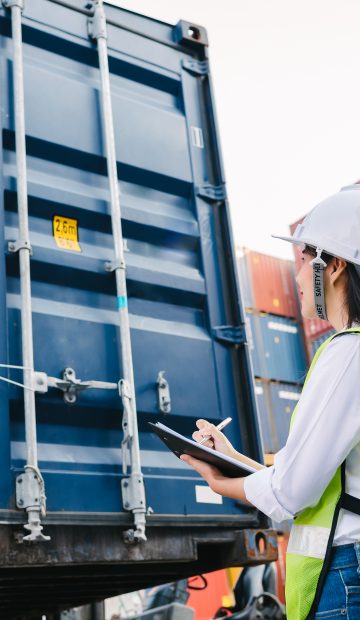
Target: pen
column 219, row 427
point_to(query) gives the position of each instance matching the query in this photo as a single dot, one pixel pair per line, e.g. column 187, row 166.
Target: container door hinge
column 196, row 67
column 133, row 492
column 30, row 496
column 212, row 193
column 8, row 4
column 163, row 393
column 97, row 24
column 229, row 334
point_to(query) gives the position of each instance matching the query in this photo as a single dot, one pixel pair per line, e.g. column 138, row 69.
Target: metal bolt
column 126, row 484
column 19, row 480
column 20, row 502
column 126, row 505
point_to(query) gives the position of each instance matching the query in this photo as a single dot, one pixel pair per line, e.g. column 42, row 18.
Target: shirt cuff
column 258, row 490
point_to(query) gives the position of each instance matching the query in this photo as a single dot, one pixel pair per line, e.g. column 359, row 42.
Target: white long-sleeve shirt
column 326, row 430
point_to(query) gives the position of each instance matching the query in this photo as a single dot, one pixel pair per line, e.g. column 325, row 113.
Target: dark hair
column 353, row 295
column 352, row 300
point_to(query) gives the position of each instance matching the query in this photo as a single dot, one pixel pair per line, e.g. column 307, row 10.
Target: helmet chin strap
column 319, row 267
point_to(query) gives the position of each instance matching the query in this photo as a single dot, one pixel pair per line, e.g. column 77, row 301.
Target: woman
column 316, row 476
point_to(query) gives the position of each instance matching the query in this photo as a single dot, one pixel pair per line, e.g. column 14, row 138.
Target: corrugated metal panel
column 182, row 291
column 276, row 403
column 179, row 287
column 244, row 278
column 268, row 283
column 256, row 351
column 284, row 399
column 277, row 348
column 264, row 409
column 312, row 327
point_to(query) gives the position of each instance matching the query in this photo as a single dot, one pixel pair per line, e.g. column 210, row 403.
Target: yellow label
column 276, row 302
column 66, row 233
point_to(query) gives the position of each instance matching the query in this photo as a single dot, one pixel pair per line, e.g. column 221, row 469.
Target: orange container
column 268, row 283
column 218, row 593
column 281, row 566
column 313, row 328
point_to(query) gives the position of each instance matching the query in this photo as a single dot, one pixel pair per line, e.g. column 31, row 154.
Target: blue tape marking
column 122, row 301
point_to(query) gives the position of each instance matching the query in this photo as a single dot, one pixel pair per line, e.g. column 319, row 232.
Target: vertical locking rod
column 133, row 487
column 31, row 483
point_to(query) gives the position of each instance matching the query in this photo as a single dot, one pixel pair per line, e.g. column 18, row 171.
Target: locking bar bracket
column 230, row 334
column 69, row 384
column 20, row 244
column 212, row 193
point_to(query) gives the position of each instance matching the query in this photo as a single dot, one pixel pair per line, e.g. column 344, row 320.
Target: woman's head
column 341, row 283
column 330, row 236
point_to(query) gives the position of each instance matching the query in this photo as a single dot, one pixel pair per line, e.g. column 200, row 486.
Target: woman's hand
column 217, row 439
column 228, row 487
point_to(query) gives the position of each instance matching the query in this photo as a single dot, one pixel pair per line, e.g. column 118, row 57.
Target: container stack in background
column 275, row 338
column 276, row 343
column 316, row 331
column 282, row 345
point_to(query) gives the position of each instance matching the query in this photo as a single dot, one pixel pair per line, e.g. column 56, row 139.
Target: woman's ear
column 337, row 268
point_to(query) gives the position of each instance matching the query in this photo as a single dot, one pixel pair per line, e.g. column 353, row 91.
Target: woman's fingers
column 208, row 472
column 205, row 428
column 200, row 435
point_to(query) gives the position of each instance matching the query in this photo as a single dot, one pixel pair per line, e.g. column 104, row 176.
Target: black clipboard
column 179, row 445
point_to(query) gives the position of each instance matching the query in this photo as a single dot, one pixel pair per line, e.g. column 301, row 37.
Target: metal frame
column 133, row 490
column 32, row 496
column 226, row 316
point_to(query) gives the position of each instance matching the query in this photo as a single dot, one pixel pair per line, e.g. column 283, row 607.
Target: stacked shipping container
column 276, row 344
column 275, row 341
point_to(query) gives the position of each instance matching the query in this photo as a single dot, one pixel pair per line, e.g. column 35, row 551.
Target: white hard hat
column 333, row 225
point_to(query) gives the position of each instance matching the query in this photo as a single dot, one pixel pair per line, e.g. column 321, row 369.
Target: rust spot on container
column 261, row 546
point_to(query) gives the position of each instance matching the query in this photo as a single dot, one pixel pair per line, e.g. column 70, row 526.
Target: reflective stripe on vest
column 309, row 540
column 311, row 536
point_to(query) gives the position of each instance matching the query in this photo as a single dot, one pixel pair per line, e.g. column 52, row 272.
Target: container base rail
column 67, row 572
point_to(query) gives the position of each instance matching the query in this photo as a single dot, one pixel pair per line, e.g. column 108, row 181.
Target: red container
column 313, row 328
column 272, row 287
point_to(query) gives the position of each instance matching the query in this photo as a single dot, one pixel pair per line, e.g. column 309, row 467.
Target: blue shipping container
column 276, row 403
column 276, row 348
column 185, row 311
column 262, row 399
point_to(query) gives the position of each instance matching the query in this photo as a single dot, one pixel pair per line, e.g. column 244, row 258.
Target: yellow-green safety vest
column 312, row 534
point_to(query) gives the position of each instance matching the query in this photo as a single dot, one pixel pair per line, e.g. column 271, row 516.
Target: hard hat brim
column 290, row 239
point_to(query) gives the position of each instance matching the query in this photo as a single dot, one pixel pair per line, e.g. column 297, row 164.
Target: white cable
column 25, row 387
